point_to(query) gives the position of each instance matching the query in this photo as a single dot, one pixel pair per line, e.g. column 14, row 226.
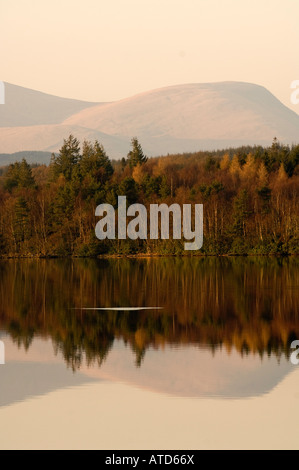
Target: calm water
column 87, row 367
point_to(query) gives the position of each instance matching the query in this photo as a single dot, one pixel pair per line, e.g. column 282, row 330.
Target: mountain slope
column 49, row 138
column 25, row 107
column 174, row 119
column 212, row 111
column 30, row 156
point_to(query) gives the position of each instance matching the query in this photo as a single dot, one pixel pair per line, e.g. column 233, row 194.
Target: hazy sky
column 102, row 50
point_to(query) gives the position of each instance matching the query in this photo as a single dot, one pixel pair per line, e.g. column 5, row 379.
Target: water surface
column 202, row 330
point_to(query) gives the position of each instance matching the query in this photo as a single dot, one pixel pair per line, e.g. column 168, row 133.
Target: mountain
column 49, row 138
column 188, row 371
column 25, row 107
column 30, row 156
column 191, row 371
column 196, row 116
column 174, row 119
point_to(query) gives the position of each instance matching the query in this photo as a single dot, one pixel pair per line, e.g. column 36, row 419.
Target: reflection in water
column 251, row 305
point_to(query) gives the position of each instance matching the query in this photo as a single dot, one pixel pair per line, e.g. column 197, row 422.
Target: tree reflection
column 246, row 303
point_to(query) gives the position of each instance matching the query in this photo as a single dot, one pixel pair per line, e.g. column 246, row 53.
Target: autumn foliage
column 249, row 195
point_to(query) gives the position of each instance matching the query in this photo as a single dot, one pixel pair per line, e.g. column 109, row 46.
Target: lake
column 152, row 353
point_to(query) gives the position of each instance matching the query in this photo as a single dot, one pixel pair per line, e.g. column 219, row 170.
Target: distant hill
column 176, row 119
column 49, row 138
column 196, row 116
column 31, row 157
column 25, row 107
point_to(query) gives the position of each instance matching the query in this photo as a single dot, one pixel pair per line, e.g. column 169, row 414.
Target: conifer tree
column 68, row 157
column 136, row 156
column 95, row 162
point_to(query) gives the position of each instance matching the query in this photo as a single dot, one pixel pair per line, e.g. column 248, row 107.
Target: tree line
column 249, row 195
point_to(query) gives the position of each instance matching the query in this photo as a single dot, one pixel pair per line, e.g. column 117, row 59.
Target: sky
column 105, row 50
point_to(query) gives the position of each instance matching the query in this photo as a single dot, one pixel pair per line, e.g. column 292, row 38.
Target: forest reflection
column 250, row 304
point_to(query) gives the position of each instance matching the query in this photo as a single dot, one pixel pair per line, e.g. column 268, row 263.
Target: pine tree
column 19, row 175
column 136, row 156
column 129, row 188
column 12, row 176
column 26, row 179
column 103, row 162
column 68, row 157
column 95, row 162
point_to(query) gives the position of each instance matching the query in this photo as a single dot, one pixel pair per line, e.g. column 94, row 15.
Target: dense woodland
column 249, row 196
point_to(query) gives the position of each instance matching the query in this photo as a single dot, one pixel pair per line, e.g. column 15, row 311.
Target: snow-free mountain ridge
column 175, row 119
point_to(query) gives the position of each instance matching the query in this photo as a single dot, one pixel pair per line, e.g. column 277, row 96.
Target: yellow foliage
column 249, row 169
column 138, row 174
column 282, row 176
column 225, row 162
column 160, row 167
column 262, row 175
column 235, row 166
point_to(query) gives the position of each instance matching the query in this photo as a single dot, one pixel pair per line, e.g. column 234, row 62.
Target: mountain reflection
column 251, row 305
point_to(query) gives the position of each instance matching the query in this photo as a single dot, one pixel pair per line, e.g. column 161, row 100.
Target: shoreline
column 148, row 256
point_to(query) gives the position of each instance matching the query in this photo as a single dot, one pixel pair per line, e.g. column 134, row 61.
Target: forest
column 249, row 197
